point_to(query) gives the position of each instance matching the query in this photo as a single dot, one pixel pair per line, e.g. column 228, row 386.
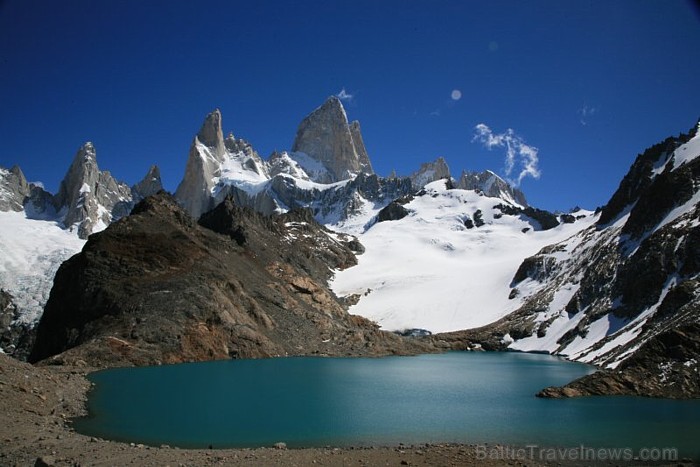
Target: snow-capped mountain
column 328, row 170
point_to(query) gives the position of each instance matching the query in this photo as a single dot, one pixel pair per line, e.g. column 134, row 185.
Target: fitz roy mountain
column 309, row 252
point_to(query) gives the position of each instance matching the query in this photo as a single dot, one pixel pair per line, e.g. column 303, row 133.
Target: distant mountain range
column 465, row 259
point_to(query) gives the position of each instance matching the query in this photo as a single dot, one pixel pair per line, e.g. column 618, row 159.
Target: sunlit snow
column 429, row 271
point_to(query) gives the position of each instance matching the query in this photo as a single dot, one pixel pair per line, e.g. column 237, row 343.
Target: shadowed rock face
column 638, row 180
column 156, row 287
column 392, row 212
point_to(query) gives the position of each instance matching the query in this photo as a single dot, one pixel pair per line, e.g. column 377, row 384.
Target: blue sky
column 589, row 84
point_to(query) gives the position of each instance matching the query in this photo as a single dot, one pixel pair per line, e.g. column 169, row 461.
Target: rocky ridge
column 328, row 170
column 491, row 185
column 156, row 287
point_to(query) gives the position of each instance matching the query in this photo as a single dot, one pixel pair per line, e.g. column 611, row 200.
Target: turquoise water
column 455, row 397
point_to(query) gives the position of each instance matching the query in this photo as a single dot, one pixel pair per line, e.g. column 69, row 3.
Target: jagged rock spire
column 326, row 136
column 92, row 198
column 207, row 152
column 211, row 133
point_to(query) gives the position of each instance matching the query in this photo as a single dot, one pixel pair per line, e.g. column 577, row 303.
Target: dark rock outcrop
column 545, row 220
column 392, row 212
column 156, row 287
column 667, row 366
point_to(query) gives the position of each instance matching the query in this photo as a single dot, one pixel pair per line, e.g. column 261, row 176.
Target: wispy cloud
column 343, row 95
column 585, row 113
column 519, row 156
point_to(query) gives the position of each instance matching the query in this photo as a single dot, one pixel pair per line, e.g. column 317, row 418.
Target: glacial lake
column 466, row 397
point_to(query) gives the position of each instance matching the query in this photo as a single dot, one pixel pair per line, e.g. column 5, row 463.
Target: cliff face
column 13, row 189
column 156, row 287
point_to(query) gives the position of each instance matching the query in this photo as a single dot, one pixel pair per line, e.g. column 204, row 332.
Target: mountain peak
column 150, row 185
column 92, row 198
column 333, row 102
column 326, row 136
column 492, row 185
column 211, row 133
column 429, row 172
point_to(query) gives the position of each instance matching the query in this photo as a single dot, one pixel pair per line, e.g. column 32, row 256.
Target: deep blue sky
column 589, row 83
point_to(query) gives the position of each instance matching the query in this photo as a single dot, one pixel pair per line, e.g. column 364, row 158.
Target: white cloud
column 518, row 154
column 343, row 95
column 456, row 94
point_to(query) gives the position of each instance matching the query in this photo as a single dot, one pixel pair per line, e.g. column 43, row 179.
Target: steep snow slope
column 430, row 271
column 30, row 253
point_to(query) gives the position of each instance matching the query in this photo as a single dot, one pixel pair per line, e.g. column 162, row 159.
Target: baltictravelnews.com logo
column 573, row 454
